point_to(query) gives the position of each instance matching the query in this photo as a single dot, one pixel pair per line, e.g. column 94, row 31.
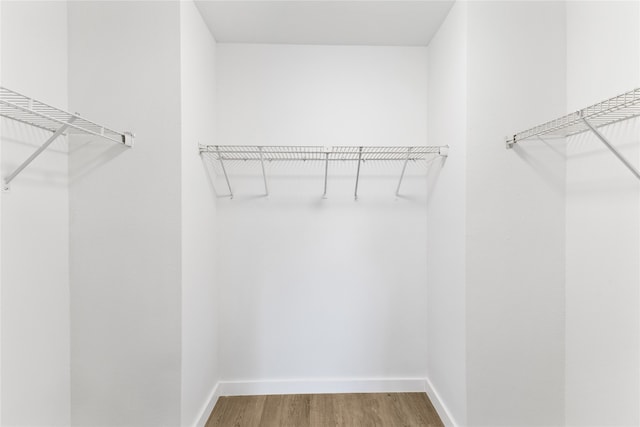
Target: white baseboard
column 441, row 408
column 321, row 386
column 208, row 407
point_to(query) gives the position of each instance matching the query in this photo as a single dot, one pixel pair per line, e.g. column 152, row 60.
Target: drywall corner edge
column 439, row 405
column 208, row 406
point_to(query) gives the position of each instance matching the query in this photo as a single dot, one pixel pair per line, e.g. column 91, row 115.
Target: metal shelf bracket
column 224, row 170
column 264, row 175
column 327, row 151
column 7, row 180
column 358, row 172
column 610, row 146
column 404, row 168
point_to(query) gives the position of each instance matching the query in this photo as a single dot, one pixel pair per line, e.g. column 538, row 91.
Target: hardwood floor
column 326, row 410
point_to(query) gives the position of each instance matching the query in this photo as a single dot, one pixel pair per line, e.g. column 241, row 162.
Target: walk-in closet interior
column 438, row 199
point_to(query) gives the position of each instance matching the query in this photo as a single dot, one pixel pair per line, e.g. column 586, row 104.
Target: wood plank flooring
column 326, row 410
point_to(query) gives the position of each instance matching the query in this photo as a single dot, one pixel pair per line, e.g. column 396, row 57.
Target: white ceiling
column 387, row 23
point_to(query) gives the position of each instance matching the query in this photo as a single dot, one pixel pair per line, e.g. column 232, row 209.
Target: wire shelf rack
column 32, row 112
column 360, row 154
column 319, row 153
column 608, row 112
column 612, row 110
column 16, row 106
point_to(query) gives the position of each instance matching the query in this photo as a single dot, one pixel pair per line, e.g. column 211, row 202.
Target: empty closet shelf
column 32, row 112
column 326, row 155
column 592, row 118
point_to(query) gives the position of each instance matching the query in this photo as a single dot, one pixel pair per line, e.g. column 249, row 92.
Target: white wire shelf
column 319, row 153
column 32, row 112
column 35, row 113
column 613, row 110
column 608, row 112
column 301, row 153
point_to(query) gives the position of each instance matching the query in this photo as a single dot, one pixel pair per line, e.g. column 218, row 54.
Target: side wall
column 35, row 224
column 515, row 215
column 124, row 70
column 314, row 289
column 603, row 226
column 446, row 224
column 199, row 296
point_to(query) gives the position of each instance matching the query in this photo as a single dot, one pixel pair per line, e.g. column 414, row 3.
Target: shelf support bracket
column 224, row 170
column 326, row 170
column 404, row 168
column 264, row 174
column 608, row 144
column 358, row 172
column 56, row 134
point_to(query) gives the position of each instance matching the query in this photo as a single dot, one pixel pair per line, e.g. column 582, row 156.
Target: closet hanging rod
column 610, row 111
column 301, row 153
column 32, row 112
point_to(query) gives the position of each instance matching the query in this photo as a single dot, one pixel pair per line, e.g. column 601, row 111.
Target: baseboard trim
column 208, row 407
column 441, row 408
column 322, row 386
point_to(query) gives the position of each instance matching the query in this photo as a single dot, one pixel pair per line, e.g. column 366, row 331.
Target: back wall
column 312, row 288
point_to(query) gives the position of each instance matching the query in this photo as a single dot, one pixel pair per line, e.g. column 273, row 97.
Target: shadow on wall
column 20, row 133
column 550, row 169
column 607, row 174
column 624, row 135
column 433, row 175
column 209, row 166
column 90, row 155
column 580, row 148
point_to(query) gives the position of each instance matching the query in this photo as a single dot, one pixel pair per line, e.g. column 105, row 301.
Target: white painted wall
column 446, row 216
column 603, row 230
column 321, row 95
column 35, row 224
column 124, row 69
column 515, row 215
column 321, row 289
column 199, row 293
